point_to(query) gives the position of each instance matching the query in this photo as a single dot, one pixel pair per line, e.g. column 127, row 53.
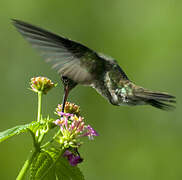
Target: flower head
column 72, row 158
column 72, row 129
column 70, row 108
column 41, row 84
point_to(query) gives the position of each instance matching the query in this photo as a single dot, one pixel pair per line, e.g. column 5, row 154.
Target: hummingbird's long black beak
column 65, row 96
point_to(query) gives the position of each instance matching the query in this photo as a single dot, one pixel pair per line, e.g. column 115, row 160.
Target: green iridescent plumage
column 77, row 64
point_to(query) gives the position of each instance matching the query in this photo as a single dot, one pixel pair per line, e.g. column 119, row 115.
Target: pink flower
column 72, row 158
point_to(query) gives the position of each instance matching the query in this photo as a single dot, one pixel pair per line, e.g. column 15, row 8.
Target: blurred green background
column 135, row 143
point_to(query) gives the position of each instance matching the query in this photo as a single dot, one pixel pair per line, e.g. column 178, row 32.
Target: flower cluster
column 70, row 108
column 41, row 84
column 72, row 128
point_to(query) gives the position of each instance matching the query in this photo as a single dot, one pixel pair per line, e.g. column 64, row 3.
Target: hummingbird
column 78, row 64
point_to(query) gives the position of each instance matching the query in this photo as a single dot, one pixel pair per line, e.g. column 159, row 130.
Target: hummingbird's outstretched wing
column 71, row 59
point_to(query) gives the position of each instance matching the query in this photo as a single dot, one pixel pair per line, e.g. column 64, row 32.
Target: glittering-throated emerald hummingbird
column 78, row 64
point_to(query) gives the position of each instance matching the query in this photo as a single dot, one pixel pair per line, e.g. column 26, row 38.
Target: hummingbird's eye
column 65, row 79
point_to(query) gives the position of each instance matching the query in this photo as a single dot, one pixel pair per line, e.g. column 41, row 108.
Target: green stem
column 39, row 105
column 25, row 167
column 35, row 143
column 28, row 162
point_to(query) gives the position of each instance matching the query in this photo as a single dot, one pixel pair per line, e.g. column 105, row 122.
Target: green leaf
column 41, row 163
column 63, row 170
column 54, row 153
column 16, row 130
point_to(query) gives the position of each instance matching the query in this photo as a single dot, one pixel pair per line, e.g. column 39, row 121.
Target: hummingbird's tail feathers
column 161, row 105
column 156, row 99
column 157, row 96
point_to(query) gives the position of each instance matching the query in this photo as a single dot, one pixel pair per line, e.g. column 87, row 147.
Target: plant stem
column 35, row 144
column 39, row 105
column 25, row 167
